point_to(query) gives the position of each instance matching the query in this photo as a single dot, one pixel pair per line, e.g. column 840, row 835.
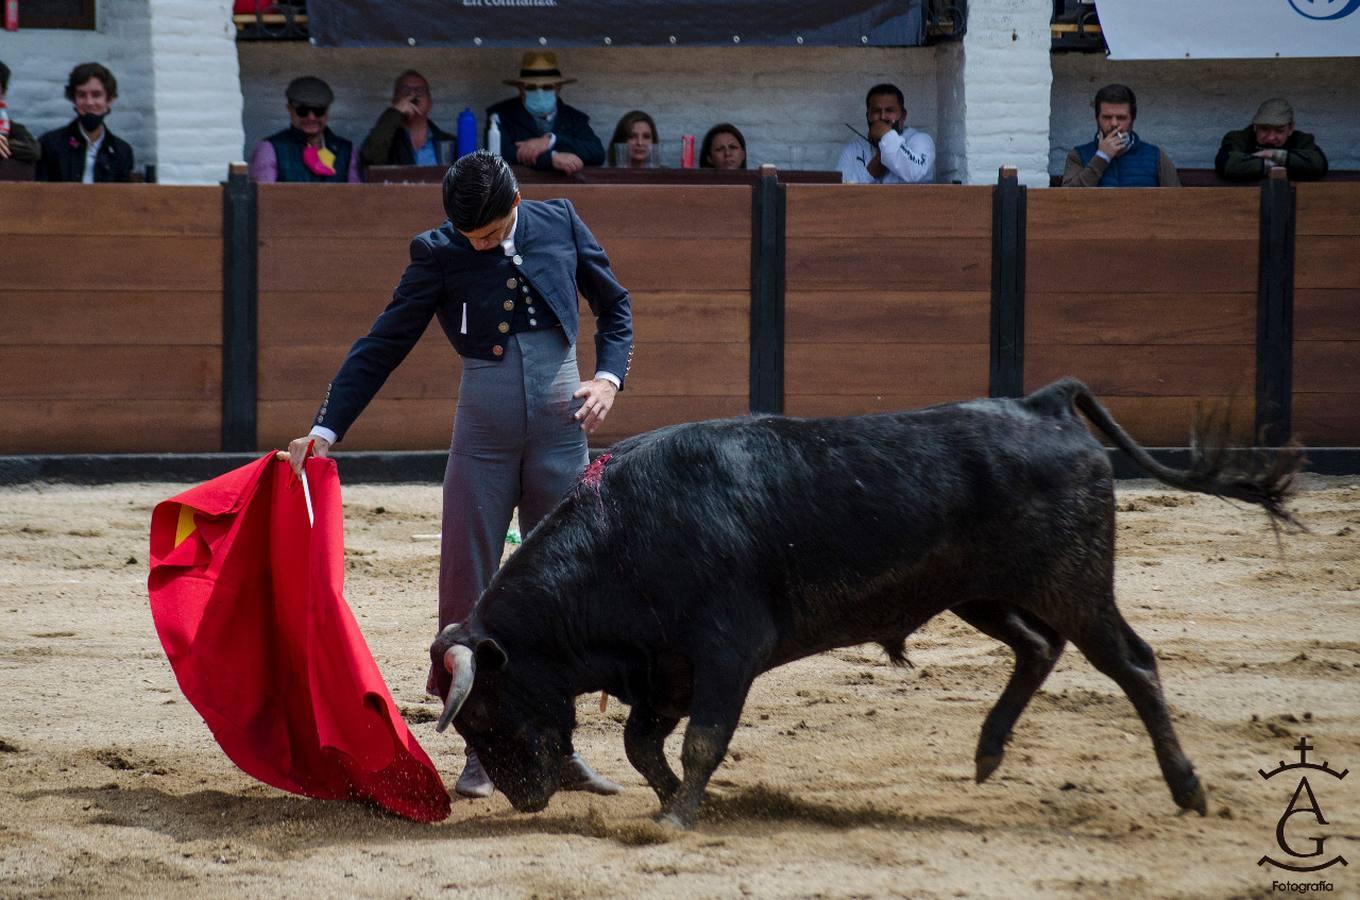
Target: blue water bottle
column 467, row 132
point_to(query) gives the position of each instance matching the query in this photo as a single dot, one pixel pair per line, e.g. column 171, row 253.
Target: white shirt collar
column 508, row 245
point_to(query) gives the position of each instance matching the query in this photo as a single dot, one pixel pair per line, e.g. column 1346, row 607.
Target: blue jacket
column 572, row 127
column 556, row 254
column 1135, row 167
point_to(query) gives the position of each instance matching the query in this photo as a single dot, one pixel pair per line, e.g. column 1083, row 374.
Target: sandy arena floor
column 847, row 777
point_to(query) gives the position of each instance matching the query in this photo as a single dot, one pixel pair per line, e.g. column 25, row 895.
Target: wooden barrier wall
column 329, row 260
column 1149, row 296
column 110, row 318
column 887, row 296
column 1326, row 394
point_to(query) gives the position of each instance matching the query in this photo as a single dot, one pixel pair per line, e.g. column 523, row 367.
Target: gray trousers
column 515, row 443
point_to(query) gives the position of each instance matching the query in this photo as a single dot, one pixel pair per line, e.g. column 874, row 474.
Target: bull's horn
column 458, row 660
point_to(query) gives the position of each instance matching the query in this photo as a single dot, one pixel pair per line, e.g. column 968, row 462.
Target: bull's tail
column 1265, row 478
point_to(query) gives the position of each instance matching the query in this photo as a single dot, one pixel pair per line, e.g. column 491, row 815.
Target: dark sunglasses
column 304, row 111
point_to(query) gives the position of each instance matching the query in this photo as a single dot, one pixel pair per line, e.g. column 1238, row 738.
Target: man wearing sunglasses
column 537, row 128
column 307, row 150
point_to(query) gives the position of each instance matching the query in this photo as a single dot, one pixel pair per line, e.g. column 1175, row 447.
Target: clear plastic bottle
column 493, row 134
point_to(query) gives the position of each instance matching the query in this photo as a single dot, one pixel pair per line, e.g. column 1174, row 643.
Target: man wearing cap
column 1271, row 141
column 502, row 275
column 537, row 128
column 307, row 150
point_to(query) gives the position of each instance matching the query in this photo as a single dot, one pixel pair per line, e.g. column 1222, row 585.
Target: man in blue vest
column 501, row 274
column 1117, row 157
column 307, row 150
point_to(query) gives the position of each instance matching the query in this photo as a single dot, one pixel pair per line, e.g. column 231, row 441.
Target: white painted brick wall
column 41, row 60
column 197, row 90
column 1006, row 74
column 1186, row 106
column 778, row 97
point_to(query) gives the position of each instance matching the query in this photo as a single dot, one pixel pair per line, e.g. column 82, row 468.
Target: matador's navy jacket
column 467, row 289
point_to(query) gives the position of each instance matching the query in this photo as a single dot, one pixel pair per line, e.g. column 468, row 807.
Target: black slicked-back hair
column 886, row 88
column 478, row 189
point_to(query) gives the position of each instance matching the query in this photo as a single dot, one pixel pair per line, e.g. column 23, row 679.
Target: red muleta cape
column 246, row 596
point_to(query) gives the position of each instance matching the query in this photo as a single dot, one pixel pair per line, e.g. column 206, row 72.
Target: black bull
column 696, row 557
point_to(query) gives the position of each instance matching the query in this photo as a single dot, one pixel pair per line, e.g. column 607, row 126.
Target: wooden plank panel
column 404, row 210
column 97, row 426
column 1140, row 214
column 1327, row 367
column 301, row 372
column 127, row 263
column 117, row 373
column 680, row 370
column 1168, row 421
column 823, row 405
column 1142, row 265
column 395, row 424
column 341, row 317
column 1129, row 318
column 1327, row 420
column 918, row 264
column 894, row 317
column 1323, row 315
column 889, row 211
column 1165, row 370
column 113, row 210
column 640, row 264
column 851, row 369
column 1327, row 262
column 1328, row 208
column 656, row 211
column 110, row 317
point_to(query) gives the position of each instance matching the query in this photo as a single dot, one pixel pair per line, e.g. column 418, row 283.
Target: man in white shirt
column 893, row 153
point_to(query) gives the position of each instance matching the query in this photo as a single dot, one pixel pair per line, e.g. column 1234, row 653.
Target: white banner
column 1239, row 29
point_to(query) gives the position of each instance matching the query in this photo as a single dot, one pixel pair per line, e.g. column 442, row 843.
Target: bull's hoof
column 986, row 765
column 672, row 822
column 1194, row 798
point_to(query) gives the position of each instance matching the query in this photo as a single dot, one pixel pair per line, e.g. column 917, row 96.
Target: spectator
column 636, row 130
column 537, row 128
column 893, row 153
column 724, row 147
column 86, row 150
column 307, row 150
column 19, row 145
column 1117, row 157
column 1270, row 141
column 404, row 134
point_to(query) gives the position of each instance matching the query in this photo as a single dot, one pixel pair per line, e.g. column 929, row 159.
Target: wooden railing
column 872, row 298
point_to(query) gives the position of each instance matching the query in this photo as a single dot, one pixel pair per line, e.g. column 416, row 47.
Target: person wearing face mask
column 86, row 150
column 537, row 128
column 892, row 153
column 307, row 150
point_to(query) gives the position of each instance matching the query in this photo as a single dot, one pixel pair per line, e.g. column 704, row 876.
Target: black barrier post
column 239, row 310
column 1275, row 312
column 1007, row 370
column 767, row 293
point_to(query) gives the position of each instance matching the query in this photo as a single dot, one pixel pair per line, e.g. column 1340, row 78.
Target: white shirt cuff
column 324, row 433
column 552, row 141
column 1103, row 155
column 609, row 377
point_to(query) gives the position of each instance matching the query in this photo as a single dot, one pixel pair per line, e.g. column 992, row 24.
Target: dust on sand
column 846, row 778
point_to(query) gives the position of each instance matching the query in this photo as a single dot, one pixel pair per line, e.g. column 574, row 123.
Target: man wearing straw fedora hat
column 537, row 128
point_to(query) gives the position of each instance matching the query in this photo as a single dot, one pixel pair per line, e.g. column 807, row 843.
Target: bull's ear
column 490, row 656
